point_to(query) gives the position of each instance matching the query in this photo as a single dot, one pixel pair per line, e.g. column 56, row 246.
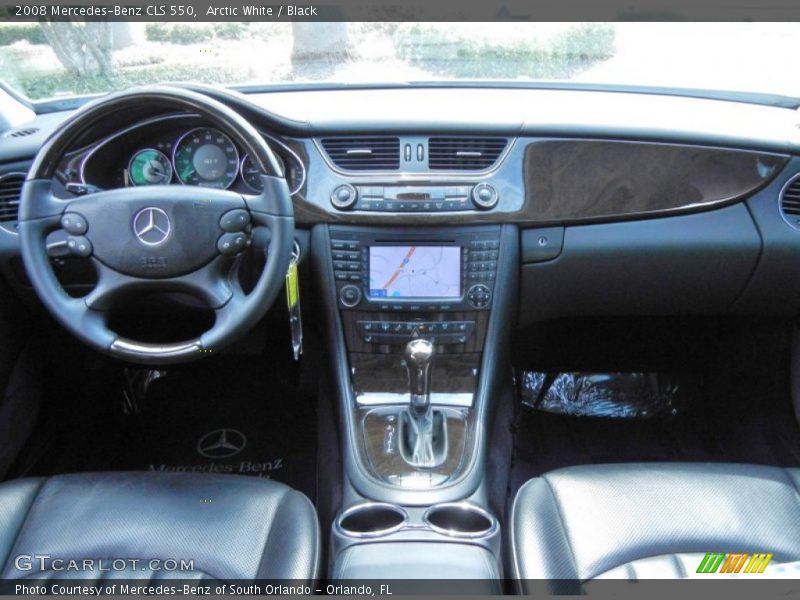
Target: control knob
column 344, row 196
column 485, row 196
column 350, row 296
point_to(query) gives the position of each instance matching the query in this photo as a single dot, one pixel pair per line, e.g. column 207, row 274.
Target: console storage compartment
column 418, row 560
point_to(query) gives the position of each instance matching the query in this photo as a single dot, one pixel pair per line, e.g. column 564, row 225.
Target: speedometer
column 206, row 157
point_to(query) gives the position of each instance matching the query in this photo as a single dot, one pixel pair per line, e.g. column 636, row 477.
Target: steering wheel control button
column 350, row 296
column 79, row 246
column 485, row 196
column 235, row 220
column 232, row 243
column 344, row 197
column 74, row 224
column 152, row 226
column 479, row 296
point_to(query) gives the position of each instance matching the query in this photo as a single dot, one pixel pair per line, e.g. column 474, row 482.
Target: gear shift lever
column 419, row 358
column 423, row 438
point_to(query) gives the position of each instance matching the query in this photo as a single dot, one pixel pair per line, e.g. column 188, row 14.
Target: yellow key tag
column 293, row 305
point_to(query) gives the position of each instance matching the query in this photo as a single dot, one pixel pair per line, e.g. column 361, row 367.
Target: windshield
column 46, row 60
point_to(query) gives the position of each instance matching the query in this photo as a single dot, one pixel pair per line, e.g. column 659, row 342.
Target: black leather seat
column 232, row 527
column 651, row 521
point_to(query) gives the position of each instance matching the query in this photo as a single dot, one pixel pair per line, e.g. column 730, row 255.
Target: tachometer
column 206, row 157
column 251, row 174
column 149, row 167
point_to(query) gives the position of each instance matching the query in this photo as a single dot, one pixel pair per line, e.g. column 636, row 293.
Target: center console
column 393, row 288
column 419, row 320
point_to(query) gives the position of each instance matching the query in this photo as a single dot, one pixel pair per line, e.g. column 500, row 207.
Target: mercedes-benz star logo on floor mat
column 221, row 443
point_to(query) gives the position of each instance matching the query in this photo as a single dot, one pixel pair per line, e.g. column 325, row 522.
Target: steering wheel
column 159, row 238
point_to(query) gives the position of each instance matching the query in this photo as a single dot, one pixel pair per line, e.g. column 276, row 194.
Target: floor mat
column 738, row 419
column 233, row 424
column 223, row 416
column 617, row 395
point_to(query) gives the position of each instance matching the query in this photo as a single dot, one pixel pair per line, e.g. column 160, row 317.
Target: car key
column 293, row 304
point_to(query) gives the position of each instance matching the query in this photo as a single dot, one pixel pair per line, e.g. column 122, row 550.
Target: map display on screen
column 415, row 271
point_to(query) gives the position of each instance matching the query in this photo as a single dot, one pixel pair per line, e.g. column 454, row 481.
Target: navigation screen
column 415, row 271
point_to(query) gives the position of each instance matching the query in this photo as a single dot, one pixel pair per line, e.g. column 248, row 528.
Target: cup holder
column 460, row 519
column 372, row 519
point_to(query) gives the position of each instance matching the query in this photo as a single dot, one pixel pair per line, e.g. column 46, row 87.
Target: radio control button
column 74, row 224
column 235, row 220
column 479, row 295
column 350, row 296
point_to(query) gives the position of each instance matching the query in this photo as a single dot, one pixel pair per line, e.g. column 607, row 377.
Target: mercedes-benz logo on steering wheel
column 221, row 443
column 151, row 226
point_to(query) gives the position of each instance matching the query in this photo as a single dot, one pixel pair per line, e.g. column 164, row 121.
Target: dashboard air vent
column 364, row 153
column 10, row 189
column 790, row 202
column 464, row 154
column 18, row 133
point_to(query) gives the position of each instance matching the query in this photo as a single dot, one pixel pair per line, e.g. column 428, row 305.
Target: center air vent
column 790, row 202
column 10, row 189
column 364, row 153
column 464, row 153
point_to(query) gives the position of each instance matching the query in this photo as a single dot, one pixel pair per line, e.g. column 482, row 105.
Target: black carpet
column 240, row 423
column 741, row 419
column 226, row 415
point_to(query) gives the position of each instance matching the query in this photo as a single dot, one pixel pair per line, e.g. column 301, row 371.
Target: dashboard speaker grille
column 10, row 190
column 464, row 154
column 790, row 202
column 364, row 153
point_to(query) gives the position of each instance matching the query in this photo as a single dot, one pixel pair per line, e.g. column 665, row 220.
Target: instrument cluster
column 193, row 155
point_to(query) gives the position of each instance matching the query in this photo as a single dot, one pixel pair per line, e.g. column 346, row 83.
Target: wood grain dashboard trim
column 593, row 179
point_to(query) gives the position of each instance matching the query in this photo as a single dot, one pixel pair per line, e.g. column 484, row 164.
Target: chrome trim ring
column 187, row 134
column 366, row 506
column 149, row 149
column 466, row 507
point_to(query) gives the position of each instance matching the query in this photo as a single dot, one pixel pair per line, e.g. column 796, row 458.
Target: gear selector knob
column 419, row 359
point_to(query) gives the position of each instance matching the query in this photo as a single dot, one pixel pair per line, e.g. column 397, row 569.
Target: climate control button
column 485, row 196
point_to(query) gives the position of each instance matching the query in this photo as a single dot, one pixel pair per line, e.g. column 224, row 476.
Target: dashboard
column 625, row 203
